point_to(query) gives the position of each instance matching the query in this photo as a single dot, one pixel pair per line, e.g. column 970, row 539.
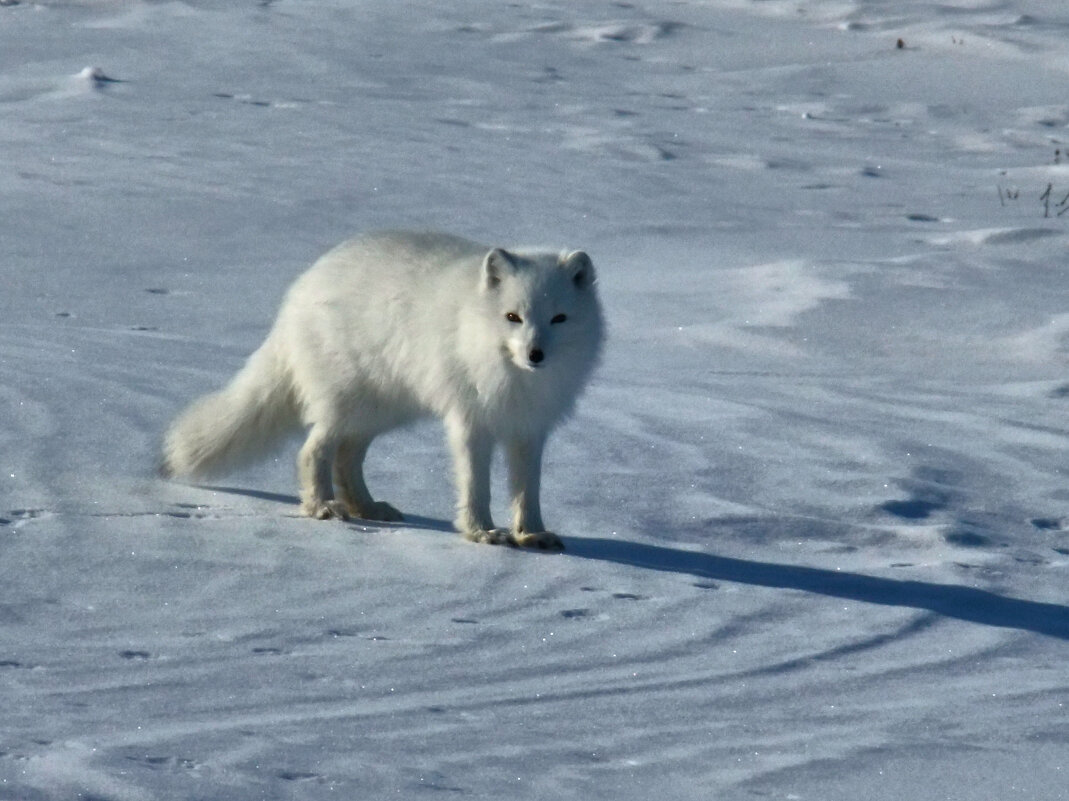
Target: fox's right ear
column 496, row 265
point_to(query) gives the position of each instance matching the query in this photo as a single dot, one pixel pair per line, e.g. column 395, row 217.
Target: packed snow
column 815, row 503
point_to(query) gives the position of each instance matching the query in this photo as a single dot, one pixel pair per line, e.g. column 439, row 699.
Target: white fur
column 391, row 327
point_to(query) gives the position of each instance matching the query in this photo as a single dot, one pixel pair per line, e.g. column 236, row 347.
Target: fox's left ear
column 581, row 268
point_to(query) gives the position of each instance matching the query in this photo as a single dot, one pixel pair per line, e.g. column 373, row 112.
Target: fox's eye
column 512, row 317
column 560, row 318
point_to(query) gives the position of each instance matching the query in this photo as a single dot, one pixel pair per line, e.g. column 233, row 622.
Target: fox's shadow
column 962, row 603
column 410, row 521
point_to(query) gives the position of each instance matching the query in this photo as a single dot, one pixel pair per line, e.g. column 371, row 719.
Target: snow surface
column 816, row 502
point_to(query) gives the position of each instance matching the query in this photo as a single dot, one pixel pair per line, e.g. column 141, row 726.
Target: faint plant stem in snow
column 1009, row 194
column 1061, row 205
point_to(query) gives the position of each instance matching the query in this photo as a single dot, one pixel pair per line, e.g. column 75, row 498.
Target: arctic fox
column 391, row 327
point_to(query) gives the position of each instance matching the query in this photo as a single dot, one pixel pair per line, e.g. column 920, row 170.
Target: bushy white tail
column 234, row 426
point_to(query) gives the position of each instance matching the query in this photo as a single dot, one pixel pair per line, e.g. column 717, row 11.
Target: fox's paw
column 493, row 536
column 325, row 510
column 546, row 540
column 379, row 510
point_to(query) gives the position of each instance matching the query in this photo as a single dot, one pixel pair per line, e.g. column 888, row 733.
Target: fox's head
column 545, row 304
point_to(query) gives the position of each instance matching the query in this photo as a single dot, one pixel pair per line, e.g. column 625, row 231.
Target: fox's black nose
column 536, row 356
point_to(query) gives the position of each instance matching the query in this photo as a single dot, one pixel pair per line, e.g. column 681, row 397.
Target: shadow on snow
column 410, row 521
column 963, row 603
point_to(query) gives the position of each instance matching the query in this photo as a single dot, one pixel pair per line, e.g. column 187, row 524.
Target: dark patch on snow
column 157, row 762
column 1048, row 523
column 296, row 775
column 966, row 538
column 930, row 489
column 1019, row 236
column 335, row 633
column 26, row 514
column 572, row 614
column 911, row 510
column 1030, row 559
column 664, row 153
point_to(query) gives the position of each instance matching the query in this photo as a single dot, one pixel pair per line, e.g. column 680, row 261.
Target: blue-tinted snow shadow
column 962, row 603
column 274, row 497
column 410, row 521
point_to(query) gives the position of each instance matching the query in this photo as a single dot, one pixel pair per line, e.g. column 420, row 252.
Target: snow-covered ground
column 815, row 504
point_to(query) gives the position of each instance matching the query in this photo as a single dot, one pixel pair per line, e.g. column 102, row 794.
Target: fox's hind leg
column 350, row 485
column 314, row 464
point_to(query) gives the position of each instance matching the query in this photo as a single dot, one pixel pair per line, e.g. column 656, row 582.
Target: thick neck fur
column 508, row 394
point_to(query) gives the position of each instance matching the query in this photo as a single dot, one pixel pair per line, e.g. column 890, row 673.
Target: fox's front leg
column 472, row 451
column 525, row 479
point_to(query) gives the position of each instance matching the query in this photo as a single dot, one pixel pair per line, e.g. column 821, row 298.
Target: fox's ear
column 581, row 268
column 497, row 264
